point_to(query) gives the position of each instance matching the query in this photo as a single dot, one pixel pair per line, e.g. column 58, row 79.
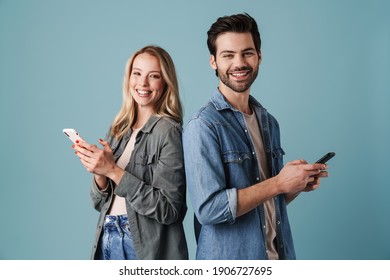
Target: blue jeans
column 116, row 242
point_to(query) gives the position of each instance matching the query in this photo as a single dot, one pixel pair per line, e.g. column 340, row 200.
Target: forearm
column 101, row 181
column 291, row 196
column 115, row 174
column 251, row 197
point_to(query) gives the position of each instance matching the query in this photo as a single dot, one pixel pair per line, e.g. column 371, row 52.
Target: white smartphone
column 72, row 134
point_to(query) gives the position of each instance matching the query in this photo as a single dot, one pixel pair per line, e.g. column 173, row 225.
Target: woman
column 139, row 181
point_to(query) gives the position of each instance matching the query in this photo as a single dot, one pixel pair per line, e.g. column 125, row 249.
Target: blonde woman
column 139, row 181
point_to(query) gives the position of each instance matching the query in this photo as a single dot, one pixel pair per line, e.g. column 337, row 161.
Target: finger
column 90, row 147
column 80, row 150
column 321, row 166
column 88, row 163
column 312, row 186
column 308, row 188
column 313, row 173
column 323, row 174
column 88, row 166
column 315, row 184
column 105, row 145
column 315, row 166
column 84, row 158
column 296, row 162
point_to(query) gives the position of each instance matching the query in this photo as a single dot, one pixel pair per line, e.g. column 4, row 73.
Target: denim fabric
column 220, row 158
column 116, row 242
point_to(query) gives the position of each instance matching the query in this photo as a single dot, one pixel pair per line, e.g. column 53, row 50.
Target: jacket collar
column 147, row 128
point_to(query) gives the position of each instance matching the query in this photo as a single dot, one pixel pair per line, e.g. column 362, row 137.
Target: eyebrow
column 244, row 50
column 153, row 71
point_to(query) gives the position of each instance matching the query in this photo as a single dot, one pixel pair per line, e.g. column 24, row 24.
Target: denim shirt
column 220, row 158
column 154, row 188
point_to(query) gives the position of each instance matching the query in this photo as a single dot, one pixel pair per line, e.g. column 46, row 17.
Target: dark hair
column 240, row 23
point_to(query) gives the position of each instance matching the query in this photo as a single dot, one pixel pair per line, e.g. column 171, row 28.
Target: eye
column 248, row 54
column 136, row 73
column 155, row 76
column 227, row 56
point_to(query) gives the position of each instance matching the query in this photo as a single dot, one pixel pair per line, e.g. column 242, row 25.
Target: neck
column 143, row 116
column 239, row 100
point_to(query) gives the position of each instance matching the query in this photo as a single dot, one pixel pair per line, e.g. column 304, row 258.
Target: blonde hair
column 169, row 104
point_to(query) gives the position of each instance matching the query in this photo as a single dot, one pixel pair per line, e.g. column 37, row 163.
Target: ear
column 260, row 57
column 213, row 63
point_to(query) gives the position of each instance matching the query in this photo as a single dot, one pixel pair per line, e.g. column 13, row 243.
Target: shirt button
column 264, row 226
column 278, row 222
column 246, row 131
column 257, row 179
column 253, row 153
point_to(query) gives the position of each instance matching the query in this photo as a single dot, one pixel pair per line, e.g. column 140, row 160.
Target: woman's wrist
column 101, row 182
column 116, row 174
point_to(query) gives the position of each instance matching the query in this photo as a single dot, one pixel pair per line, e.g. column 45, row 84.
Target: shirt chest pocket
column 235, row 157
column 144, row 159
column 145, row 165
column 277, row 153
column 237, row 166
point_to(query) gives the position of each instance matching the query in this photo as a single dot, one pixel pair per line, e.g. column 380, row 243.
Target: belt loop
column 118, row 226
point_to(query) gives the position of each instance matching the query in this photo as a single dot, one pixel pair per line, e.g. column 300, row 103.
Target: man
column 237, row 184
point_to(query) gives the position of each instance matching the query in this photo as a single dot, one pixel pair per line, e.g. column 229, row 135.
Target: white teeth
column 143, row 91
column 239, row 74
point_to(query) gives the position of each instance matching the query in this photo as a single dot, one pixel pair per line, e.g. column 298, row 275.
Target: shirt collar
column 150, row 123
column 220, row 102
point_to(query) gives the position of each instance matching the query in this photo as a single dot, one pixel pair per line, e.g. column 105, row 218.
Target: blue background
column 324, row 76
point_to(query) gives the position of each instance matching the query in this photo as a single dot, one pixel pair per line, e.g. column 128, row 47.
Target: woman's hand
column 98, row 161
column 95, row 160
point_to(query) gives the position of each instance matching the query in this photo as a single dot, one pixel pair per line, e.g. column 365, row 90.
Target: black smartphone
column 326, row 157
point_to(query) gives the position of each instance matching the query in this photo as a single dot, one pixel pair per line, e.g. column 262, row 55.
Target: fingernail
column 101, row 140
column 73, row 146
column 75, row 152
column 77, row 141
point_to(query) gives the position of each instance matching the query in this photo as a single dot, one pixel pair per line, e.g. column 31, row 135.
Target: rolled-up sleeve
column 213, row 202
column 98, row 197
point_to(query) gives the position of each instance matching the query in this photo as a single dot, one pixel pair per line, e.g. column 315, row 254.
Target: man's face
column 236, row 61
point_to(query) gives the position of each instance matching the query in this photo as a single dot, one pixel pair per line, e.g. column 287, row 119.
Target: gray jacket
column 154, row 188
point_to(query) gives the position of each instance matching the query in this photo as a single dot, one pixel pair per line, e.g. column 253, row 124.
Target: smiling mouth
column 241, row 74
column 143, row 92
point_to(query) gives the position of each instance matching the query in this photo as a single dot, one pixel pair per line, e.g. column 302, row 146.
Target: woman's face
column 146, row 82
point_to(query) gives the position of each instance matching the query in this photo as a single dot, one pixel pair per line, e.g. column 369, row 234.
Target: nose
column 239, row 61
column 143, row 81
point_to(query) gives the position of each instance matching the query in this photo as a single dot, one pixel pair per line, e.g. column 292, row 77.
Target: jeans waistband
column 115, row 221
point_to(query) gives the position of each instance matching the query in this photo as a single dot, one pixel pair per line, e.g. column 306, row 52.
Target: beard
column 241, row 86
